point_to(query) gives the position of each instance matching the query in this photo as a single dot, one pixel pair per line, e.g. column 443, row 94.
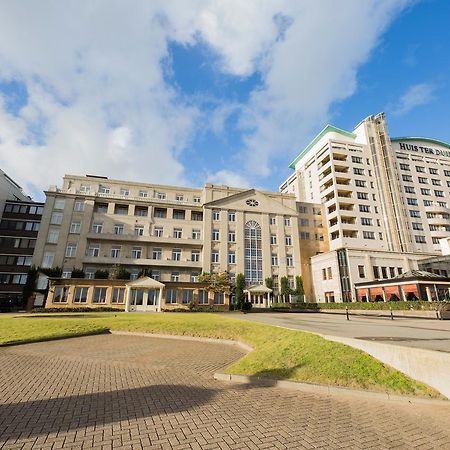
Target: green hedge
column 80, row 309
column 396, row 306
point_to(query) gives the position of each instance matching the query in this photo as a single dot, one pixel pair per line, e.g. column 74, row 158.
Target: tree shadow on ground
column 37, row 417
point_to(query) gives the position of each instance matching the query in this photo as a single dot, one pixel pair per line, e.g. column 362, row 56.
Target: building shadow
column 38, row 417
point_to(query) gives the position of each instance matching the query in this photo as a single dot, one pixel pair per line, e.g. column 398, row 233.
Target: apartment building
column 93, row 223
column 386, row 202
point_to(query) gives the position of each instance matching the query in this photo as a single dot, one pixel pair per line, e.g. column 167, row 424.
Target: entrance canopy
column 145, row 283
column 258, row 289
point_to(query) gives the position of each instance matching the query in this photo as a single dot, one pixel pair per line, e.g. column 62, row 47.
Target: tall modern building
column 386, row 202
column 176, row 233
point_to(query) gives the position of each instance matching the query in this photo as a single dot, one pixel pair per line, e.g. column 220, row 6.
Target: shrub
column 101, row 274
column 247, row 306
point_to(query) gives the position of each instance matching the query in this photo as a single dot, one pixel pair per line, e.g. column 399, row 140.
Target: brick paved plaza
column 128, row 392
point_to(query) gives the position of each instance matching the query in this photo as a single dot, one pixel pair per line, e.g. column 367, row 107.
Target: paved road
column 126, row 392
column 421, row 333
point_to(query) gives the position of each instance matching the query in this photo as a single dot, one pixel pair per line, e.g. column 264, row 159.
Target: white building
column 386, row 202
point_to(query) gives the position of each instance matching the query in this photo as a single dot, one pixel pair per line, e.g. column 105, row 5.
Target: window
column 425, row 191
column 195, row 255
column 274, row 259
column 302, row 209
column 80, row 295
column 160, row 195
column 360, row 183
column 231, row 236
column 357, row 159
column 273, row 239
column 414, row 213
column 196, row 199
column 435, row 240
column 85, row 188
column 420, row 239
column 171, row 295
column 427, row 203
column 161, row 213
column 231, row 257
column 143, row 194
column 361, row 272
column 368, row 235
column 442, row 204
column 99, row 295
column 196, row 234
column 358, row 171
column 140, row 211
column 187, row 296
column 366, row 221
column 97, row 227
column 101, row 208
column 364, row 208
column 253, row 252
column 433, row 171
column 288, row 240
column 156, row 253
column 412, row 201
column 215, row 256
column 384, row 272
column 71, row 250
column 287, row 221
column 118, row 228
column 78, row 205
column 175, row 276
column 139, row 230
column 177, row 233
column 104, row 189
column 158, row 231
column 136, row 252
column 23, row 261
column 75, row 228
column 59, row 203
column 89, row 274
column 118, row 295
column 216, row 215
column 436, row 182
column 125, row 192
column 179, row 214
column 202, row 297
column 219, row 298
column 420, row 169
column 289, row 260
column 121, row 210
column 197, row 216
column 231, row 216
column 417, row 226
column 327, row 273
column 215, row 235
column 304, row 222
column 439, row 193
column 272, row 220
column 179, row 197
column 407, row 178
column 423, row 180
column 194, row 277
column 93, row 250
column 362, row 195
column 60, row 295
column 53, row 236
column 115, row 251
column 404, row 166
column 176, row 254
column 56, row 218
column 376, row 273
column 410, row 190
column 20, row 278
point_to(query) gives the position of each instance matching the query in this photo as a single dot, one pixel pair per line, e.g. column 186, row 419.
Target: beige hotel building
column 386, row 203
column 176, row 233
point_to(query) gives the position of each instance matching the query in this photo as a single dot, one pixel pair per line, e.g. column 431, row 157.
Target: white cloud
column 228, row 178
column 98, row 101
column 417, row 95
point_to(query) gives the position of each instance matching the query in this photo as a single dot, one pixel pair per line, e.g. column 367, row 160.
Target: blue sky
column 222, row 92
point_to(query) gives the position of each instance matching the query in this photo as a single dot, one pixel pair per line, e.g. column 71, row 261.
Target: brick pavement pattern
column 127, row 392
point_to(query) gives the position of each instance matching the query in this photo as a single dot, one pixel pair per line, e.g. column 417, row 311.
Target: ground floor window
column 137, row 297
column 329, row 297
column 171, row 295
column 80, row 295
column 219, row 298
column 187, row 295
column 118, row 295
column 99, row 295
column 60, row 295
column 151, row 297
column 203, row 297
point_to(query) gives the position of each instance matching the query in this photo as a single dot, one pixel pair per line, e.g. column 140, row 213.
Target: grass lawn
column 278, row 353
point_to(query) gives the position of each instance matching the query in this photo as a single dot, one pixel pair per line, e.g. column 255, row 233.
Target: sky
column 225, row 92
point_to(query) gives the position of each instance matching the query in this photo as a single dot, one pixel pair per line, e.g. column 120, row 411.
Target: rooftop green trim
column 418, row 138
column 327, row 129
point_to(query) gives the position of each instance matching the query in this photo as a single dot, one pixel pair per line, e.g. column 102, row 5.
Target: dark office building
column 19, row 228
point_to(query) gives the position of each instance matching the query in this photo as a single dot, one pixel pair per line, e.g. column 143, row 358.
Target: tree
column 217, row 282
column 299, row 290
column 118, row 272
column 145, row 273
column 239, row 286
column 269, row 282
column 285, row 290
column 77, row 273
column 101, row 274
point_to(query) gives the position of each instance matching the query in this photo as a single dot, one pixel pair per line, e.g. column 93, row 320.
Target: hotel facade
column 386, row 203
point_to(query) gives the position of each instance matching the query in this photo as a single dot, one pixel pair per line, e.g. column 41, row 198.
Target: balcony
column 348, row 220
column 339, row 168
column 344, row 206
column 142, row 239
column 341, row 193
column 125, row 261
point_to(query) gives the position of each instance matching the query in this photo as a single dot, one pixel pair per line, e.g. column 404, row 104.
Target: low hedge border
column 382, row 306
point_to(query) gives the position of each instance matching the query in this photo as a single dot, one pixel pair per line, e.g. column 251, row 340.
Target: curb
column 324, row 389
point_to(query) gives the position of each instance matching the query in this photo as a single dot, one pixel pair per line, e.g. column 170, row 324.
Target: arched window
column 253, row 253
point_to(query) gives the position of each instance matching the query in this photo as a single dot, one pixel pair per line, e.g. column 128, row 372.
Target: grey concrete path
column 127, row 392
column 420, row 333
